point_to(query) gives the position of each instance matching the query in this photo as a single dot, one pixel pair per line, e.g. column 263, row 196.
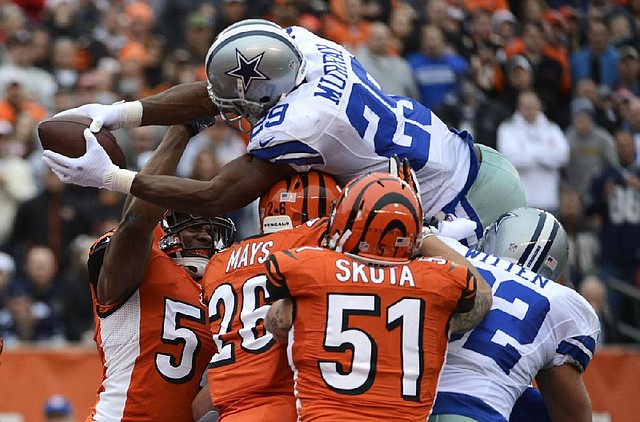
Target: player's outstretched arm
column 565, row 394
column 127, row 253
column 237, row 184
column 179, row 104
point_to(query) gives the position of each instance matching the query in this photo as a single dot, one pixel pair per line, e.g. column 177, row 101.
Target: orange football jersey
column 368, row 342
column 250, row 369
column 154, row 346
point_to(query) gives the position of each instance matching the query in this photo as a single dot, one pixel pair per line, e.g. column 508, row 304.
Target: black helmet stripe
column 322, row 197
column 304, row 179
column 547, row 247
column 357, row 203
column 387, row 199
column 534, row 238
column 383, row 201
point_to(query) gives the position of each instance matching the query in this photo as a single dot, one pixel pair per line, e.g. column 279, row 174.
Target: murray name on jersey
column 332, row 84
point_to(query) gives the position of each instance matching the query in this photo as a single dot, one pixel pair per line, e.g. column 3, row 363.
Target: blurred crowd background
column 555, row 86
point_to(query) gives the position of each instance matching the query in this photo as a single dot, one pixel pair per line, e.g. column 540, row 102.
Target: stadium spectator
column 17, row 183
column 603, row 101
column 345, row 24
column 53, row 217
column 199, row 32
column 64, row 62
column 58, row 409
column 518, row 77
column 595, row 292
column 437, row 71
column 537, row 148
column 596, row 60
column 616, row 196
column 226, row 144
column 629, row 69
column 488, row 5
column 551, row 77
column 7, row 272
column 504, row 27
column 393, row 73
column 229, row 12
column 61, row 19
column 592, row 148
column 474, row 112
column 621, row 26
column 34, row 304
column 15, row 102
column 480, row 34
column 77, row 307
column 629, row 110
column 405, row 29
column 583, row 237
column 39, row 85
column 205, row 166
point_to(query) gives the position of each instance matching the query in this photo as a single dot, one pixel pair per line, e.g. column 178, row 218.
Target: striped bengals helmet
column 529, row 237
column 296, row 200
column 378, row 217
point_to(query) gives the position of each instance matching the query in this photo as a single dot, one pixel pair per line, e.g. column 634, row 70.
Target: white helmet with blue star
column 250, row 66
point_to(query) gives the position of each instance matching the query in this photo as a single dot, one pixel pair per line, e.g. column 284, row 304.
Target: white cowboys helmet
column 250, row 66
column 529, row 237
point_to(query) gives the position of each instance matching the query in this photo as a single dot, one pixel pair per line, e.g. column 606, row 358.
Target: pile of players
column 347, row 308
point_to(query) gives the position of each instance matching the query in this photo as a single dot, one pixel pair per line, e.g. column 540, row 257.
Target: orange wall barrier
column 29, row 375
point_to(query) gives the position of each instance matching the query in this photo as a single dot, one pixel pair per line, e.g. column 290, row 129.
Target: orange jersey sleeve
column 368, row 341
column 250, row 370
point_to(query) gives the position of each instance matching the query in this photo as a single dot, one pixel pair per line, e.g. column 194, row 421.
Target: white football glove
column 455, row 228
column 404, row 171
column 94, row 168
column 114, row 116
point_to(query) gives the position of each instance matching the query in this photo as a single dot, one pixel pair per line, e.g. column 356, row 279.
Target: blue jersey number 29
column 372, row 113
column 521, row 328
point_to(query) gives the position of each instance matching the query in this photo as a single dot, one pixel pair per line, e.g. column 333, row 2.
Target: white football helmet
column 250, row 66
column 529, row 237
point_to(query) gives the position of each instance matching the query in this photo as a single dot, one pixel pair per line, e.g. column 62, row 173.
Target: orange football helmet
column 296, row 200
column 378, row 217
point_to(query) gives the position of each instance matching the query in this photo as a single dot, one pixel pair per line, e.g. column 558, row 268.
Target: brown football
column 64, row 135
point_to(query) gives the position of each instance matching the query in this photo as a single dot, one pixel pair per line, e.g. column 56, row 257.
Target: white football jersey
column 534, row 324
column 339, row 121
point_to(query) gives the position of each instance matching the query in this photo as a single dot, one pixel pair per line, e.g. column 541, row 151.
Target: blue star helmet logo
column 247, row 70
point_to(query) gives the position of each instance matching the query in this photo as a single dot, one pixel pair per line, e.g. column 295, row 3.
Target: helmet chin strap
column 194, row 265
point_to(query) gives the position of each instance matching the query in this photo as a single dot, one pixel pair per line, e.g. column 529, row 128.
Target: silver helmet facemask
column 529, row 237
column 250, row 66
column 221, row 229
